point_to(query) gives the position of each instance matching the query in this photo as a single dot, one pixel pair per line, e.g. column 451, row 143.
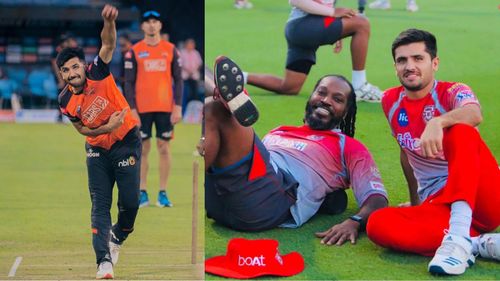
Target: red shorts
column 473, row 176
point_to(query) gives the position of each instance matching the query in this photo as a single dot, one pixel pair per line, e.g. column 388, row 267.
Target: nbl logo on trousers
column 127, row 162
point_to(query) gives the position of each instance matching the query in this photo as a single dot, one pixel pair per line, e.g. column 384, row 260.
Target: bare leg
column 358, row 28
column 290, row 85
column 146, row 147
column 164, row 161
column 226, row 141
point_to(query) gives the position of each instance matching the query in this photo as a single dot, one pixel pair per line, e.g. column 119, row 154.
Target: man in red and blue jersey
column 453, row 179
column 253, row 185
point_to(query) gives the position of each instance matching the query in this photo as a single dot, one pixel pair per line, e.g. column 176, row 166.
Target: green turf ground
column 45, row 209
column 468, row 43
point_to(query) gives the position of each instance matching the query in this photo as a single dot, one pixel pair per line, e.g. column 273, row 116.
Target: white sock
column 460, row 219
column 358, row 78
column 245, row 77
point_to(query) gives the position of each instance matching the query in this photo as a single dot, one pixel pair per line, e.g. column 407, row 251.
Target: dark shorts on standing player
column 163, row 125
column 304, row 36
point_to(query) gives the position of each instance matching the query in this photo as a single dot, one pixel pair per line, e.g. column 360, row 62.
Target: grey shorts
column 304, row 36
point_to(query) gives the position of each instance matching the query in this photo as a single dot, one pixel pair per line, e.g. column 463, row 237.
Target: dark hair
column 413, row 35
column 67, row 54
column 347, row 125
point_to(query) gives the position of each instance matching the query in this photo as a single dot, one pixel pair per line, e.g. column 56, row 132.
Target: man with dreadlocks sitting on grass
column 283, row 179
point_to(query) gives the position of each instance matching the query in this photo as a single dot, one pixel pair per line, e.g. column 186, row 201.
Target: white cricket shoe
column 242, row 4
column 105, row 270
column 368, row 93
column 489, row 246
column 411, row 6
column 380, row 5
column 453, row 257
column 114, row 250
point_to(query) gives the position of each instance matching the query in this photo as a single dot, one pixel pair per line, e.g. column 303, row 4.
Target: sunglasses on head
column 151, row 13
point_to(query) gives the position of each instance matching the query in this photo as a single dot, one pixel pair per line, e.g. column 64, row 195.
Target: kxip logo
column 428, row 113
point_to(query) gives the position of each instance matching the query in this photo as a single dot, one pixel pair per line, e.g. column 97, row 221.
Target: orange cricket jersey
column 94, row 106
column 153, row 83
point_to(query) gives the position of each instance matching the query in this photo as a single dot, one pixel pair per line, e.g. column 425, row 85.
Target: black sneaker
column 229, row 84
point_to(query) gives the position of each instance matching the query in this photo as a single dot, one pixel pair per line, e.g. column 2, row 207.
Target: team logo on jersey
column 164, row 54
column 127, row 162
column 464, row 96
column 97, row 106
column 428, row 113
column 406, row 141
column 92, row 154
column 376, row 185
column 274, row 140
column 143, row 54
column 403, row 118
column 155, row 65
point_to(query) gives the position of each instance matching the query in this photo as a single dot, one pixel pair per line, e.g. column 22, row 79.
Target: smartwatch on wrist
column 358, row 219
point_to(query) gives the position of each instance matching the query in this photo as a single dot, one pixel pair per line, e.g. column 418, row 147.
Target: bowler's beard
column 77, row 83
column 317, row 123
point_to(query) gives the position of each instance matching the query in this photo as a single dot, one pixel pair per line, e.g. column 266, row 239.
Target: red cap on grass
column 252, row 258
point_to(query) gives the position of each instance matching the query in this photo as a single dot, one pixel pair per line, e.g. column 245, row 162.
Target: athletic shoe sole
column 439, row 270
column 107, row 276
column 163, row 206
column 229, row 81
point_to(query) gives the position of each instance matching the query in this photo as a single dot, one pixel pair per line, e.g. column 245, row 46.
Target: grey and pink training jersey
column 322, row 162
column 408, row 119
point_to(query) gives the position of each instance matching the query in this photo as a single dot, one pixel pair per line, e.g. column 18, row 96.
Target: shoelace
column 446, row 249
column 373, row 91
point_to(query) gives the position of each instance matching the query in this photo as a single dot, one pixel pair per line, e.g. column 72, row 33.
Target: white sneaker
column 489, row 246
column 114, row 250
column 411, row 6
column 453, row 257
column 105, row 270
column 380, row 5
column 368, row 93
column 241, row 4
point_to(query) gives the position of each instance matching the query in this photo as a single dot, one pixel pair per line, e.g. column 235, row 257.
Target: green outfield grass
column 468, row 43
column 45, row 209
